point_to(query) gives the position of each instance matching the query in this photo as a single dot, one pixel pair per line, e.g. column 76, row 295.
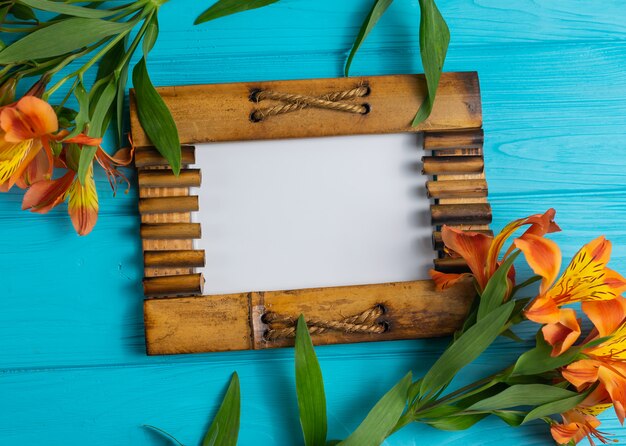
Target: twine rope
column 292, row 102
column 365, row 322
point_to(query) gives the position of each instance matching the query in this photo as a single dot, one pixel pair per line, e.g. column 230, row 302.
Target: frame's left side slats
column 165, row 205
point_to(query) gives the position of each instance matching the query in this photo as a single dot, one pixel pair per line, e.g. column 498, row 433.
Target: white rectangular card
column 316, row 212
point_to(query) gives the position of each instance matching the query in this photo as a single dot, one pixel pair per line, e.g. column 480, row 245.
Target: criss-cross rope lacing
column 365, row 322
column 292, row 102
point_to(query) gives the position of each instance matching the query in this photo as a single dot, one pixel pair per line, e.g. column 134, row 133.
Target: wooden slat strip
column 216, row 323
column 466, row 188
column 170, row 231
column 177, row 285
column 150, row 157
column 435, row 165
column 166, row 178
column 221, row 112
column 461, row 139
column 179, row 258
column 452, row 265
column 464, row 213
column 162, row 205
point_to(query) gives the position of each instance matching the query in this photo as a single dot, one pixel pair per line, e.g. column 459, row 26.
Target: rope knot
column 290, row 102
column 281, row 326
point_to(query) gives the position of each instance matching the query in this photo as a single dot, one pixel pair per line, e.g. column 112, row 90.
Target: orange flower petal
column 606, row 315
column 543, row 310
column 444, row 280
column 29, row 118
column 83, row 204
column 45, row 195
column 471, row 246
column 543, row 256
column 563, row 334
column 586, row 277
column 540, row 224
column 37, row 170
column 582, row 373
column 614, row 380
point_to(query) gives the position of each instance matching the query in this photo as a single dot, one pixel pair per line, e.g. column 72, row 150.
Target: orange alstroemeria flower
column 581, row 422
column 605, row 362
column 27, row 128
column 82, row 198
column 482, row 252
column 586, row 279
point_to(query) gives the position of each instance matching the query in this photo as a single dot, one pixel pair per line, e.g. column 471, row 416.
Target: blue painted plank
column 72, row 368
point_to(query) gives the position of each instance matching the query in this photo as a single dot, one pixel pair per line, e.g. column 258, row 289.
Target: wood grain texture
column 236, row 321
column 222, row 112
column 547, row 115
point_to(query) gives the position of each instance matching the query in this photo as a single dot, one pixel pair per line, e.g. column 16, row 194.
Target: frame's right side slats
column 458, row 188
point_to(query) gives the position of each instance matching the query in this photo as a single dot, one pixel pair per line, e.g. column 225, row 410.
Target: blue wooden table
column 72, row 364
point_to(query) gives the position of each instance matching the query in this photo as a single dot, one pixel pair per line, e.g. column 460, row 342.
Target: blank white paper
column 317, row 212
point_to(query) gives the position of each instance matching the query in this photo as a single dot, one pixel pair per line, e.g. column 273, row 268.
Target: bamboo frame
column 179, row 320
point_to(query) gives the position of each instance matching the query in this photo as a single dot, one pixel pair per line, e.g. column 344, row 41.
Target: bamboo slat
column 170, row 231
column 178, row 258
column 166, row 178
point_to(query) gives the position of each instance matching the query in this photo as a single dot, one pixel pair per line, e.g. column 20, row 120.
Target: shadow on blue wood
column 72, row 363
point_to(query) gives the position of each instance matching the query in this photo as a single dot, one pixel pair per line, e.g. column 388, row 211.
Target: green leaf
column 540, row 360
column 466, row 348
column 97, row 126
column 383, row 417
column 523, row 395
column 60, row 38
column 224, row 429
column 309, row 389
column 434, row 40
column 151, row 35
column 556, row 407
column 82, row 118
column 71, row 10
column 457, row 422
column 23, row 12
column 510, row 417
column 378, row 9
column 155, row 117
column 495, row 291
column 222, row 8
column 164, row 434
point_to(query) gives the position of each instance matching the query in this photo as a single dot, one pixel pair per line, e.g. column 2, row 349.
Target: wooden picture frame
column 179, row 319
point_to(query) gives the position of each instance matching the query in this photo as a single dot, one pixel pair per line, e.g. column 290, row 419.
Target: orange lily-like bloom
column 27, row 129
column 605, row 359
column 82, row 198
column 586, row 280
column 482, row 252
column 581, row 422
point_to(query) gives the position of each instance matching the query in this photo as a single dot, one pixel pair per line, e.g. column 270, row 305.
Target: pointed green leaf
column 378, row 9
column 222, row 8
column 65, row 9
column 155, row 117
column 457, row 422
column 224, row 429
column 495, row 291
column 60, row 38
column 434, row 40
column 151, row 35
column 309, row 388
column 383, row 417
column 466, row 348
column 98, row 123
column 523, row 395
column 82, row 118
column 540, row 359
column 556, row 407
column 510, row 417
column 164, row 434
column 22, row 12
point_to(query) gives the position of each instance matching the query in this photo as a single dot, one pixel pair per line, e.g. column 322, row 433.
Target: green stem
column 135, row 42
column 525, row 283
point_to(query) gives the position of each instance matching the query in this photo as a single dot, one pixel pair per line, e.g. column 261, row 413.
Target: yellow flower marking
column 11, row 157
